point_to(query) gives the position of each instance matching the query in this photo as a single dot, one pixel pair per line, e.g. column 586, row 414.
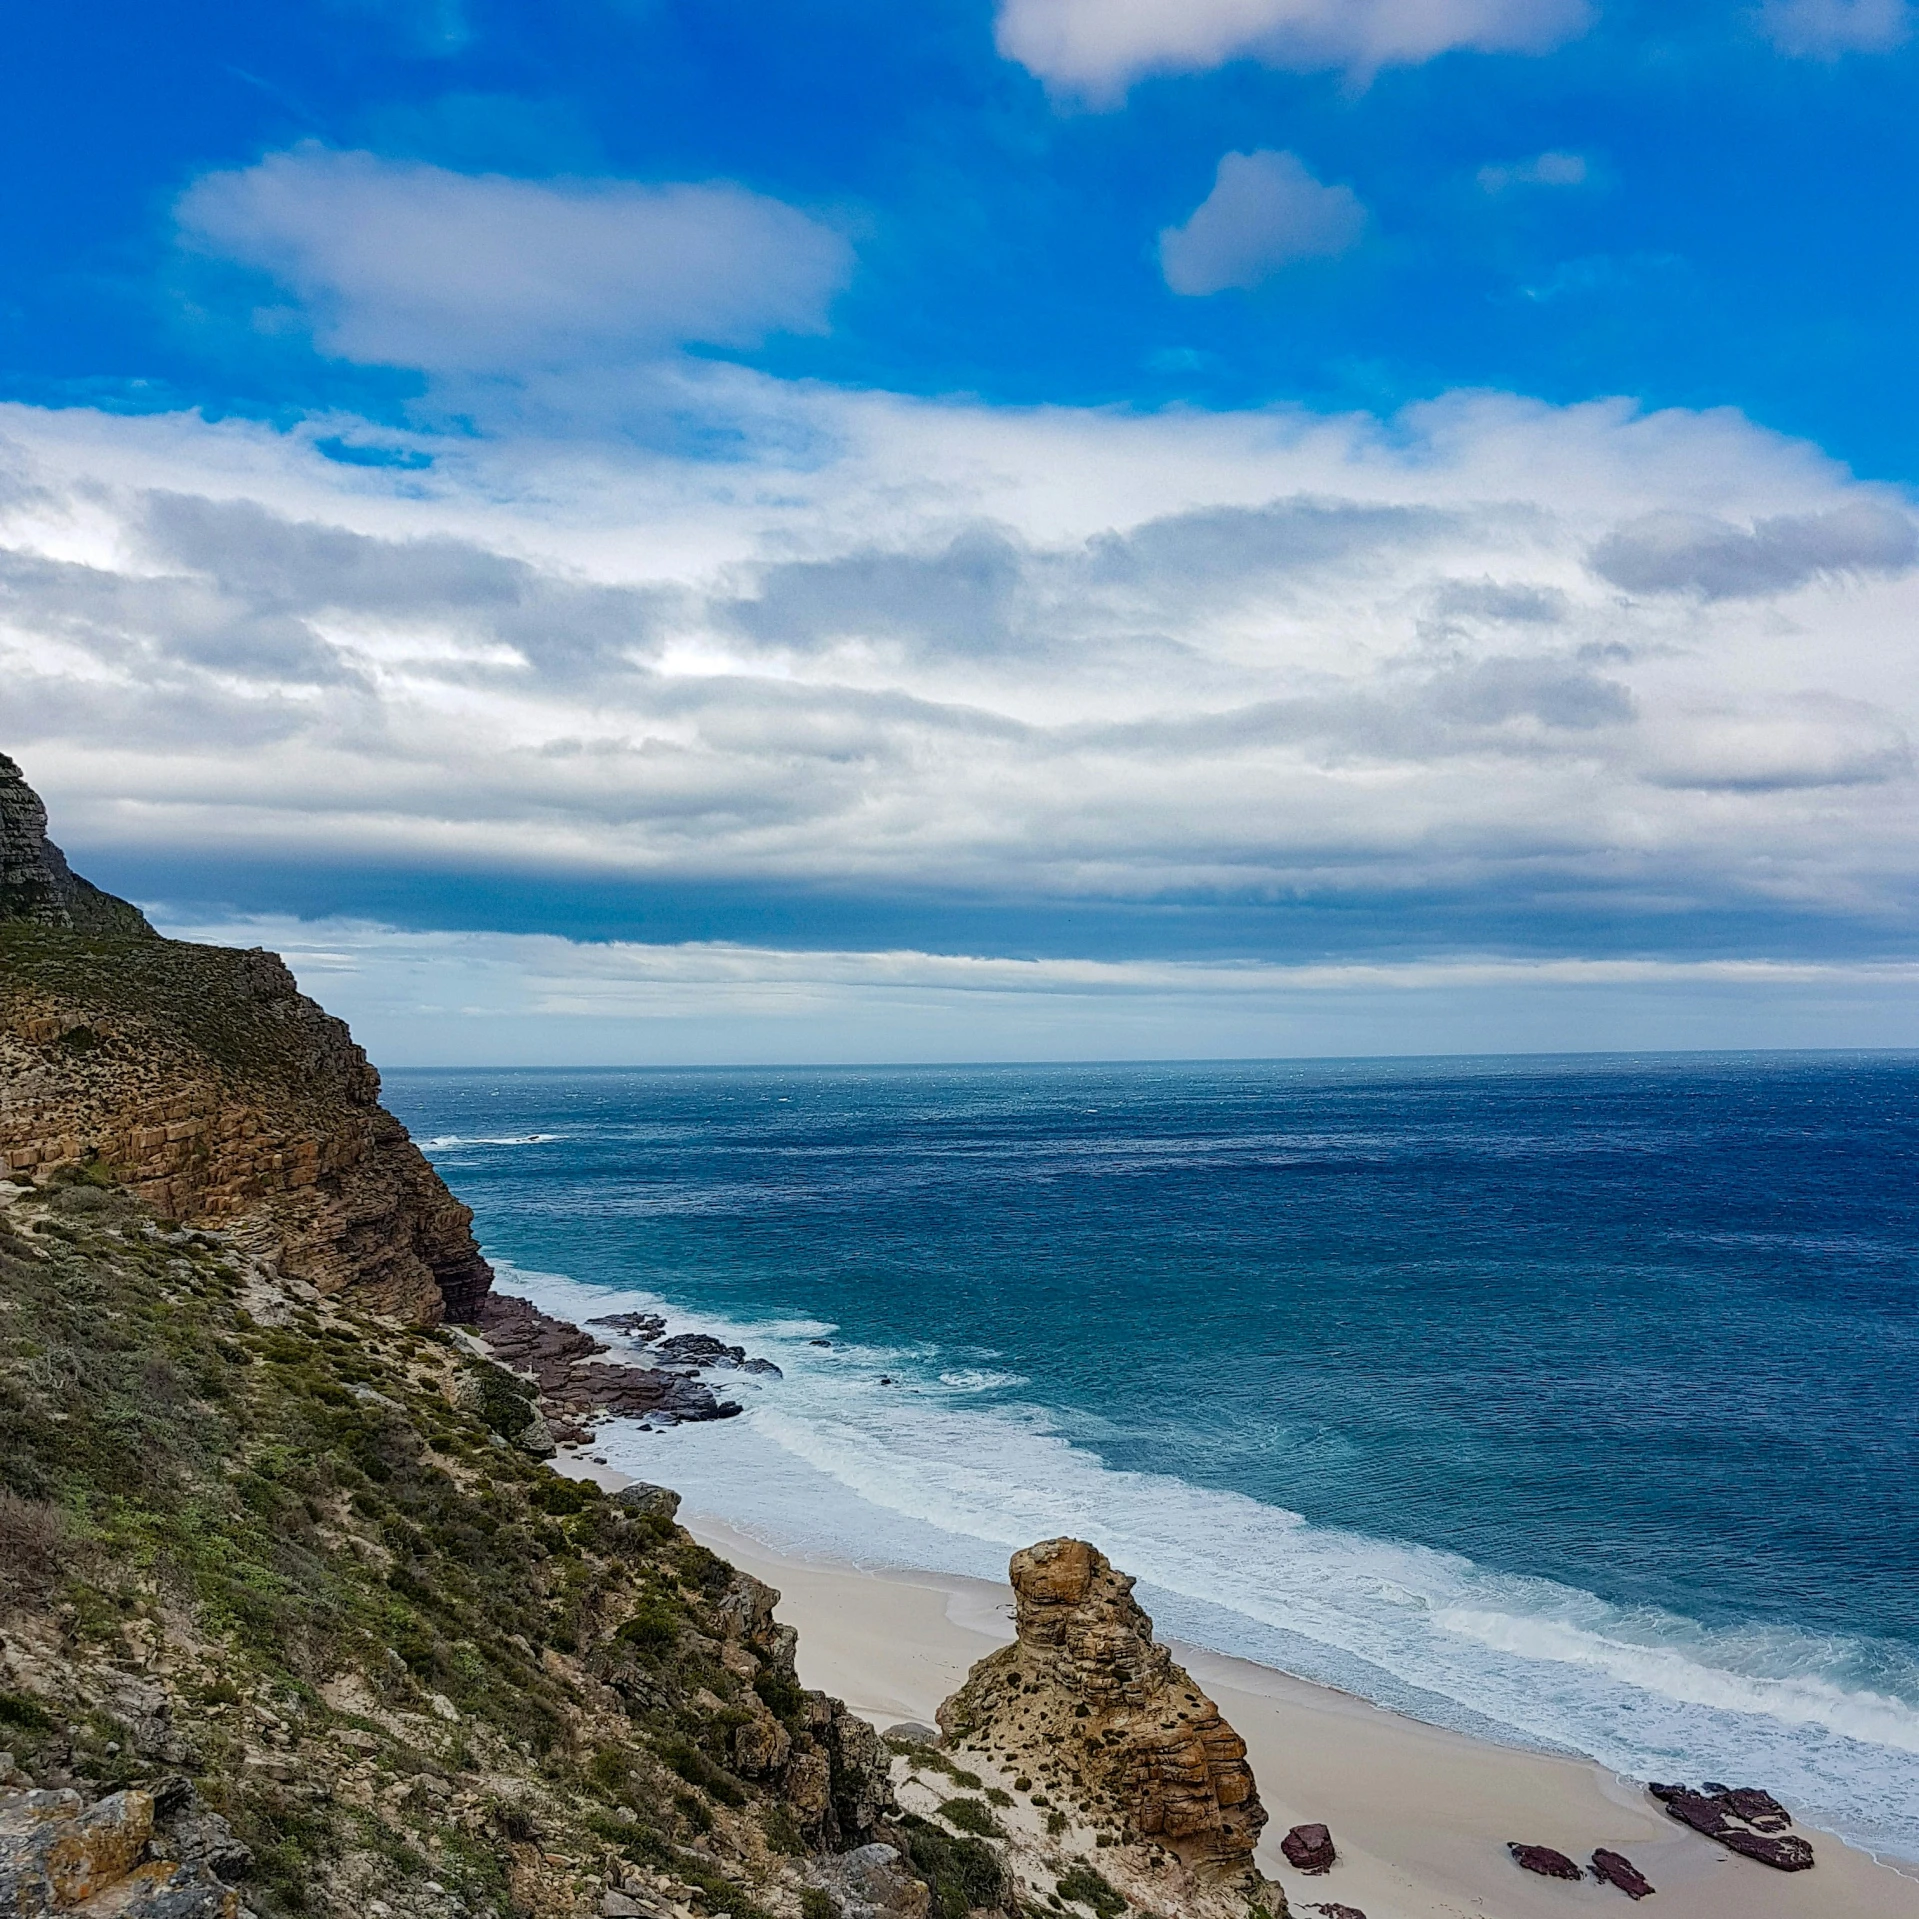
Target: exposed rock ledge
column 202, row 1078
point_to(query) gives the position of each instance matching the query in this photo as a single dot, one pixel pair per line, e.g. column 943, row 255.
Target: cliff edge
column 203, row 1079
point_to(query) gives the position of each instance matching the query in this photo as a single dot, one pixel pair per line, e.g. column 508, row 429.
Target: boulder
column 872, row 1882
column 1309, row 1849
column 57, row 1853
column 642, row 1498
column 1542, row 1860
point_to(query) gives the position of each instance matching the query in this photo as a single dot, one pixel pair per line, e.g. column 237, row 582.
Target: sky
column 642, row 531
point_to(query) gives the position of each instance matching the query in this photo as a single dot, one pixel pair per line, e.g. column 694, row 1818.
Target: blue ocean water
column 1567, row 1401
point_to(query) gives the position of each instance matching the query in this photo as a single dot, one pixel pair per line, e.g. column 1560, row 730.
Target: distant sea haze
column 1568, row 1402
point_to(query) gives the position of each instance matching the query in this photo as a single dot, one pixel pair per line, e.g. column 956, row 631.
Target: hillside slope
column 264, row 1553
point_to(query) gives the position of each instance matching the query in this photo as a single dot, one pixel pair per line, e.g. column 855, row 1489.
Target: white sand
column 1421, row 1817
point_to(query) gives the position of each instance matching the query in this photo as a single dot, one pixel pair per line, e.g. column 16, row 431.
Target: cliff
column 205, row 1080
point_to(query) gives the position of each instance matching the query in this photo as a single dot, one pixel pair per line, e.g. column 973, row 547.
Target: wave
column 449, row 1142
column 942, row 1477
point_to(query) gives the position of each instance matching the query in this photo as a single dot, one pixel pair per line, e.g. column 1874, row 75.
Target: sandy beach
column 1421, row 1816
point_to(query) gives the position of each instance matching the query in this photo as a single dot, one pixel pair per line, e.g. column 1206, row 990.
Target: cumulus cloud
column 1034, row 655
column 1552, row 169
column 1677, row 552
column 1265, row 212
column 404, row 264
column 1825, row 29
column 1098, row 48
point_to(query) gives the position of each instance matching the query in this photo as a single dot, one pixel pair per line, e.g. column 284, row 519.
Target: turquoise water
column 1570, row 1402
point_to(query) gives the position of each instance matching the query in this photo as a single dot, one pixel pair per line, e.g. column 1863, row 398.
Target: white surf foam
column 941, row 1469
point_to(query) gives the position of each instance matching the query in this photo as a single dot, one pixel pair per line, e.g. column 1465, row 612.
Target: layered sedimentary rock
column 1087, row 1695
column 202, row 1078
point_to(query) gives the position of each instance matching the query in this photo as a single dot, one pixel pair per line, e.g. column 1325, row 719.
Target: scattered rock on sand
column 1309, row 1849
column 1615, row 1869
column 1338, row 1912
column 1542, row 1860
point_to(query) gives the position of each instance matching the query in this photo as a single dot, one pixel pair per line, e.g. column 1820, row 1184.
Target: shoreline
column 1421, row 1815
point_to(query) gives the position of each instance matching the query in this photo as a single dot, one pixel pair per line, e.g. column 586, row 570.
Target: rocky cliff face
column 204, row 1079
column 1117, row 1734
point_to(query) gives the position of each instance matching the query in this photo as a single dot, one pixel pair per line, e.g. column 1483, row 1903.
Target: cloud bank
column 1098, row 48
column 1038, row 657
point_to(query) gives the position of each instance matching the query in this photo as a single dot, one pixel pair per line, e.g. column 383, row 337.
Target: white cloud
column 1098, row 48
column 1825, row 29
column 434, row 999
column 400, row 263
column 1265, row 212
column 1551, row 169
column 1039, row 655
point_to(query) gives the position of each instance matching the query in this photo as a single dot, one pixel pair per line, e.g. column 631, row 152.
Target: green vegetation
column 294, row 1485
column 1085, row 1887
column 963, row 1873
column 971, row 1815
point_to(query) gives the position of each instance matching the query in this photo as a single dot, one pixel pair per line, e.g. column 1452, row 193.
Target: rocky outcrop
column 574, row 1384
column 1086, row 1698
column 1743, row 1819
column 203, row 1079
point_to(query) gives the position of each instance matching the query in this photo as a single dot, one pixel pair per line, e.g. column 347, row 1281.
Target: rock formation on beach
column 1087, row 1718
column 203, row 1078
column 1086, row 1684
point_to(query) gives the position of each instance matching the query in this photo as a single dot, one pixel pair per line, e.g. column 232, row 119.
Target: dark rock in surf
column 1309, row 1849
column 1543, row 1860
column 1615, row 1869
column 642, row 1326
column 564, row 1363
column 699, row 1349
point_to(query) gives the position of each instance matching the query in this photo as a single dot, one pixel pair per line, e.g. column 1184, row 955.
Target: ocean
column 1569, row 1402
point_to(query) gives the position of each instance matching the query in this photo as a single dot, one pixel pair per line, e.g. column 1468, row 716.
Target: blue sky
column 1209, row 483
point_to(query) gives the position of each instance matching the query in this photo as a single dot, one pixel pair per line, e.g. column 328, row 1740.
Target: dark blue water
column 1573, row 1399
